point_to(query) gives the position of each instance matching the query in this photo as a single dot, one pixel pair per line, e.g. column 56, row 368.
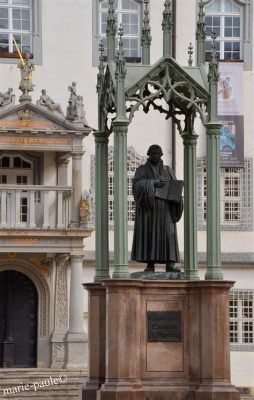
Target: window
column 225, row 18
column 236, row 196
column 241, row 319
column 19, row 19
column 133, row 161
column 127, row 13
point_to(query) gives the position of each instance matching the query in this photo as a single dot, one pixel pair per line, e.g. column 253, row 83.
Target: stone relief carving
column 61, row 307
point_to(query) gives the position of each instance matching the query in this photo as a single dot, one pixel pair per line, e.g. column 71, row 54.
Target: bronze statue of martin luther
column 159, row 206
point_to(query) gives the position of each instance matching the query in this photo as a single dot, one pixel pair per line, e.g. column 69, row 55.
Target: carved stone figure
column 75, row 111
column 71, row 112
column 47, row 102
column 155, row 236
column 7, row 98
column 80, row 108
column 26, row 84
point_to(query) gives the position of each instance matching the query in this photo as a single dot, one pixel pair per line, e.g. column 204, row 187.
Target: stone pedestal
column 160, row 340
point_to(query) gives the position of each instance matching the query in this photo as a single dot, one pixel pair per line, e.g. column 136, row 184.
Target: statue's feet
column 150, row 267
column 170, row 267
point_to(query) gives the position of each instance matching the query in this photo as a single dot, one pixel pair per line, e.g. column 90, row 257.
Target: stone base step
column 41, row 383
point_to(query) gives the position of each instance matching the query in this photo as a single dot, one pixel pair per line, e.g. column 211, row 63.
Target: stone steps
column 41, row 383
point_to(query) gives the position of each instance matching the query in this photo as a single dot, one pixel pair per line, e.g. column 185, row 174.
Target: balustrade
column 35, row 206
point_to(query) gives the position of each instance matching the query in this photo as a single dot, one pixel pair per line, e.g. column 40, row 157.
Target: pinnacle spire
column 100, row 74
column 111, row 30
column 201, row 34
column 120, row 61
column 190, row 52
column 146, row 36
column 213, row 78
column 167, row 27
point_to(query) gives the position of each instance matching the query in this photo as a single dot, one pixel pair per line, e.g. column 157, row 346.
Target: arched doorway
column 18, row 320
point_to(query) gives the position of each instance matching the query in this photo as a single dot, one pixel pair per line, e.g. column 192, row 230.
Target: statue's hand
column 159, row 183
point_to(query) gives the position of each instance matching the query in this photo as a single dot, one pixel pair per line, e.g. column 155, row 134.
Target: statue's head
column 155, row 153
column 43, row 91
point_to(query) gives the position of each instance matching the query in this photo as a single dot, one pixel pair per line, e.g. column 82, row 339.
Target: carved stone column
column 76, row 337
column 77, row 187
column 190, row 205
column 61, row 313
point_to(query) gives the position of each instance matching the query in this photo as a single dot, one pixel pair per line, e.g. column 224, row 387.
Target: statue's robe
column 155, row 236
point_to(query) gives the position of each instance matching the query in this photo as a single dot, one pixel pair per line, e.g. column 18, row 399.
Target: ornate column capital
column 120, row 127
column 77, row 154
column 62, row 259
column 101, row 137
column 62, row 161
column 190, row 139
column 77, row 258
column 213, row 128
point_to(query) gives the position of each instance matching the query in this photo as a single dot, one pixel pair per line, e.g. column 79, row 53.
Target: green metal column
column 213, row 202
column 101, row 195
column 213, row 173
column 120, row 128
column 190, row 203
column 120, row 200
column 101, row 183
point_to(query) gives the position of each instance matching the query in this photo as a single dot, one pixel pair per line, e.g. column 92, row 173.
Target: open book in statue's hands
column 171, row 190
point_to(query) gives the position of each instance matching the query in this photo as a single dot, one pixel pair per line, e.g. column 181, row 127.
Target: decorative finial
column 213, row 75
column 201, row 31
column 100, row 74
column 111, row 30
column 120, row 61
column 167, row 22
column 190, row 52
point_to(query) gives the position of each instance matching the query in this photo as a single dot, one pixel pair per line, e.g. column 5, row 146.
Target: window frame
column 244, row 200
column 36, row 37
column 96, row 33
column 222, row 39
column 238, row 319
column 246, row 33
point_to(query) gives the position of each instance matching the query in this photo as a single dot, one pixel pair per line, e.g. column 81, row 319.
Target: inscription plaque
column 164, row 326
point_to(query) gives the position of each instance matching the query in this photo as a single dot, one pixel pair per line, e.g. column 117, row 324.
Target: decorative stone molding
column 61, row 304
